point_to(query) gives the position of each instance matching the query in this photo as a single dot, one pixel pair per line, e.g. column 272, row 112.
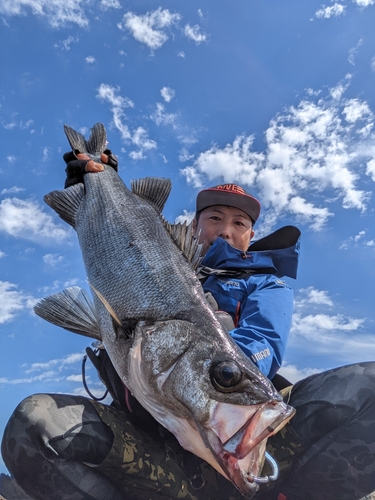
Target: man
column 70, row 447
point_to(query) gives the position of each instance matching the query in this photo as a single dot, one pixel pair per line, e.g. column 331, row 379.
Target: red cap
column 230, row 195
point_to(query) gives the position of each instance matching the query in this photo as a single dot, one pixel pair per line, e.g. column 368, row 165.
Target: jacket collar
column 280, row 258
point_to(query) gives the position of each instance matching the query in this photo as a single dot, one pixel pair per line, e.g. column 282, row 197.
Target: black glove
column 76, row 169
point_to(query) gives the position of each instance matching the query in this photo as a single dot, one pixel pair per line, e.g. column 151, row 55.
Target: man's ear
column 252, row 235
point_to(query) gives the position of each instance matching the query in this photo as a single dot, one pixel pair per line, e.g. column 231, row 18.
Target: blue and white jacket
column 260, row 304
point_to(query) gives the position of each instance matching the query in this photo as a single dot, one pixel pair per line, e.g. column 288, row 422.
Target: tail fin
column 76, row 140
column 96, row 143
column 98, row 139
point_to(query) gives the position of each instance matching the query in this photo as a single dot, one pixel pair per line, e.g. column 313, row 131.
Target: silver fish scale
column 116, row 226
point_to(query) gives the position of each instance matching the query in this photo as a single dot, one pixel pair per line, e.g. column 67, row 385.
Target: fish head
column 209, row 395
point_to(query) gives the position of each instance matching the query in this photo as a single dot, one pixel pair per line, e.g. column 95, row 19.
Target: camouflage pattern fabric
column 147, row 467
column 331, row 439
column 67, row 447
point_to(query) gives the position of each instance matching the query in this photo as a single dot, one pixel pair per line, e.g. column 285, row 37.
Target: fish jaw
column 241, row 453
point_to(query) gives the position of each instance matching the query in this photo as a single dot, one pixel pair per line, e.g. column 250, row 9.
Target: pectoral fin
column 66, row 202
column 71, row 309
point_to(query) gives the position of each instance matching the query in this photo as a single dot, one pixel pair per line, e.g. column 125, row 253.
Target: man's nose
column 225, row 231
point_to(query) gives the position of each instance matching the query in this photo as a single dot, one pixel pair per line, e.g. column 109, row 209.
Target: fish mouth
column 242, row 454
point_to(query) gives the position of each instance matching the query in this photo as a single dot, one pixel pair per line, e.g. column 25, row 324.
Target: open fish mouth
column 241, row 452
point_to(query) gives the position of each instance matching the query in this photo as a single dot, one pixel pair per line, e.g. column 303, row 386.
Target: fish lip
column 242, row 447
column 239, row 445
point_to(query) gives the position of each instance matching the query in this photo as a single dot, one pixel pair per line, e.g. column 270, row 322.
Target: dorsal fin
column 183, row 236
column 66, row 202
column 153, row 189
column 71, row 309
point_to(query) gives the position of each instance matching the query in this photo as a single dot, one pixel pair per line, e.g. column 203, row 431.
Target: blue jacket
column 260, row 304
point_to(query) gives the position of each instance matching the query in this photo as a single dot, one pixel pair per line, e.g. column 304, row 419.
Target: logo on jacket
column 258, row 356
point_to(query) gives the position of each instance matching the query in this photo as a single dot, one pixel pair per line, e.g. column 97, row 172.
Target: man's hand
column 78, row 165
column 225, row 318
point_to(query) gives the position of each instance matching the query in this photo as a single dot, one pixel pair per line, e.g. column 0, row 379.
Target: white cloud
column 311, row 295
column 77, row 378
column 185, row 155
column 109, row 94
column 194, row 33
column 167, row 94
column 58, row 13
column 370, row 170
column 314, row 155
column 12, row 190
column 26, row 219
column 68, row 41
column 310, row 324
column 13, row 301
column 293, row 374
column 137, row 155
column 181, row 54
column 110, row 4
column 353, row 240
column 90, row 59
column 59, row 363
column 52, row 259
column 140, row 139
column 356, row 110
column 151, row 27
column 326, row 331
column 234, row 161
column 45, row 153
column 334, row 11
column 364, row 3
column 353, row 51
column 49, row 376
column 138, row 136
column 23, row 125
column 161, row 117
column 186, row 216
column 2, row 254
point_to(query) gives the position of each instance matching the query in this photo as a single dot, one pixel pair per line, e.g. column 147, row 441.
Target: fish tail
column 76, row 140
column 97, row 142
column 66, row 202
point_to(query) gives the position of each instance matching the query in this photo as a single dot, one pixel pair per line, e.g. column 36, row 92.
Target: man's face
column 229, row 223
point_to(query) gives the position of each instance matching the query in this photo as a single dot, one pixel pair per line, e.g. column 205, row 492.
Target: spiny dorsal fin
column 153, row 189
column 72, row 310
column 183, row 236
column 66, row 202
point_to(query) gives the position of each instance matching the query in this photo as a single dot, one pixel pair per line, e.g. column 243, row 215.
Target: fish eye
column 226, row 375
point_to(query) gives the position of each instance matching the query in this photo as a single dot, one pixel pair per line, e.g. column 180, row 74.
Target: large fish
column 165, row 341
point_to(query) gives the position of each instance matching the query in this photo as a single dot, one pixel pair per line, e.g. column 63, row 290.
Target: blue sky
column 276, row 96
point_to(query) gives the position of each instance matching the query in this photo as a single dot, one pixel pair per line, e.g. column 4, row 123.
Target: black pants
column 68, row 447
